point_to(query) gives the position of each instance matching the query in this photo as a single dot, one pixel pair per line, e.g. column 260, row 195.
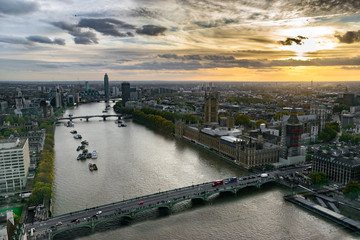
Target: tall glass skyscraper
column 125, row 89
column 107, row 87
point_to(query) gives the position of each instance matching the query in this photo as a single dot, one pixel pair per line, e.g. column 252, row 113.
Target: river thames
column 135, row 161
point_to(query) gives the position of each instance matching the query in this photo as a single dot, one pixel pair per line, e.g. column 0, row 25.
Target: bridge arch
column 69, row 229
column 115, row 219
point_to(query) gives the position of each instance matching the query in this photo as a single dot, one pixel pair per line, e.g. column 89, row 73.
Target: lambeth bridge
column 111, row 215
column 103, row 116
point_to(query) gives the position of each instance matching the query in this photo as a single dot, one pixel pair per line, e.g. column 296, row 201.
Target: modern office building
column 125, row 89
column 14, row 164
column 86, row 86
column 106, row 87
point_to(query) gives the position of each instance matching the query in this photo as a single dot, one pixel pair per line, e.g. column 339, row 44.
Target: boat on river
column 121, row 124
column 81, row 157
column 94, row 154
column 91, row 167
column 77, row 136
column 69, row 124
column 95, row 167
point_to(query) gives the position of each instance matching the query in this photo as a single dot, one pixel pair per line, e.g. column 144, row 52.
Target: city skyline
column 263, row 40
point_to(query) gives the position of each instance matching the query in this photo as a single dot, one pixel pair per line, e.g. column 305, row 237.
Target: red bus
column 218, row 182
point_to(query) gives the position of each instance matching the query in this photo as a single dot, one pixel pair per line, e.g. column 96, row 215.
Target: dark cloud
column 185, row 57
column 216, row 62
column 192, row 57
column 106, row 26
column 151, row 30
column 178, row 65
column 255, row 16
column 59, row 41
column 215, row 23
column 196, row 57
column 169, row 55
column 218, row 57
column 261, row 40
column 290, row 41
column 46, row 40
column 17, row 7
column 349, row 37
column 143, row 12
column 80, row 37
column 14, row 40
column 204, row 24
column 318, row 7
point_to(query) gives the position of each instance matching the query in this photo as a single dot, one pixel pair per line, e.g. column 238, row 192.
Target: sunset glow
column 179, row 40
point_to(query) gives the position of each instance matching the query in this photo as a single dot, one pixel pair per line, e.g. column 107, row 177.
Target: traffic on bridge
column 91, row 218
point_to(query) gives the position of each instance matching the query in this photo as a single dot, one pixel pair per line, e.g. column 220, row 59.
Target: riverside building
column 245, row 151
column 338, row 167
column 14, row 164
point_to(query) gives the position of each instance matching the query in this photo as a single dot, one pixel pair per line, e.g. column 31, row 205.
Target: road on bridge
column 43, row 228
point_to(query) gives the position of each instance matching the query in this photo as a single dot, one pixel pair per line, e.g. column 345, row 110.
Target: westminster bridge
column 108, row 216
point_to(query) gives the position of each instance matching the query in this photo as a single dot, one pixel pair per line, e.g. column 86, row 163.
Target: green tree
column 335, row 126
column 318, row 178
column 342, row 107
column 349, row 126
column 258, row 122
column 345, row 137
column 278, row 116
column 329, row 132
column 242, row 119
column 352, row 189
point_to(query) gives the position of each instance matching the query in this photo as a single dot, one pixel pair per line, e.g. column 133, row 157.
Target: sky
column 180, row 40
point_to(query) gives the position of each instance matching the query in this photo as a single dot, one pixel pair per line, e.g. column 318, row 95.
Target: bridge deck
column 91, row 218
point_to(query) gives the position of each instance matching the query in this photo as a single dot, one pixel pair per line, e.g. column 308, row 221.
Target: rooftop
column 221, row 131
column 12, row 144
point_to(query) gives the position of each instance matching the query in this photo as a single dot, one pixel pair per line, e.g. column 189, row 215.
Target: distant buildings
column 3, row 106
column 106, row 87
column 321, row 112
column 14, row 164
